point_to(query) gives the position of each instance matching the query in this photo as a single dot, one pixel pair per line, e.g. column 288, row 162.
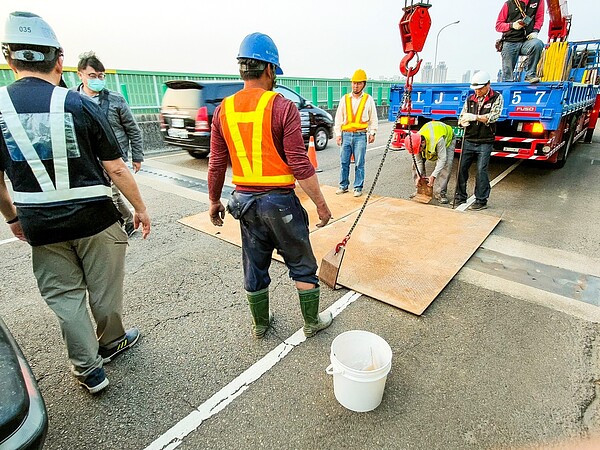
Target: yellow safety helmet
column 359, row 75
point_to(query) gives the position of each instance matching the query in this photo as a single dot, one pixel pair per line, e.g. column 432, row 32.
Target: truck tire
column 563, row 153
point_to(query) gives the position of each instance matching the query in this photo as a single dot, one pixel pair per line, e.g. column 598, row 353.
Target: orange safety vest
column 354, row 120
column 246, row 122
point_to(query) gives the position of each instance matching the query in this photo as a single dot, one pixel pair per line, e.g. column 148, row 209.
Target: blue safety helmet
column 261, row 47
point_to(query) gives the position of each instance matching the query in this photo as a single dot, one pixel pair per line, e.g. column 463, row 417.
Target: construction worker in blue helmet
column 258, row 131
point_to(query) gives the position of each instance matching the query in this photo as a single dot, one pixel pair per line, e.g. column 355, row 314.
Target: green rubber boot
column 309, row 304
column 261, row 315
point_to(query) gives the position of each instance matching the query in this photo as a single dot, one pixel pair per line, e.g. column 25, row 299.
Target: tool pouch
column 239, row 203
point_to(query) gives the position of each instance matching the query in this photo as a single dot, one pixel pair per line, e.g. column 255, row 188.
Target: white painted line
column 6, row 241
column 174, row 437
column 575, row 308
column 544, row 255
column 493, row 183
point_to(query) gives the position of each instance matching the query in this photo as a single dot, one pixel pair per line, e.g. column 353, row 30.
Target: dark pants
column 274, row 221
column 474, row 152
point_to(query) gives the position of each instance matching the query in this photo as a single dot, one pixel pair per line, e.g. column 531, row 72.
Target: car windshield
column 289, row 94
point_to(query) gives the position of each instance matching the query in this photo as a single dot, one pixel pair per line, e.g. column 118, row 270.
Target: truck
column 540, row 121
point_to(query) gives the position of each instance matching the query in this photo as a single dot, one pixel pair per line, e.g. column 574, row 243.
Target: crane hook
column 405, row 69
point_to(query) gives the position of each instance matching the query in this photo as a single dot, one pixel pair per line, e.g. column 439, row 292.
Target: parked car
column 188, row 107
column 23, row 414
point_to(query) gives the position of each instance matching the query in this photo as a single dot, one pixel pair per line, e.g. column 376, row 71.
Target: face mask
column 96, row 84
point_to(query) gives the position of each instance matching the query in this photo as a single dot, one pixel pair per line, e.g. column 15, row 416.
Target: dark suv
column 188, row 106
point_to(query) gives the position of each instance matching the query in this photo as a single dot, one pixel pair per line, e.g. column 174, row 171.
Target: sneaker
column 532, row 79
column 477, row 206
column 443, row 200
column 95, row 381
column 341, row 191
column 458, row 202
column 128, row 341
column 129, row 229
column 357, row 192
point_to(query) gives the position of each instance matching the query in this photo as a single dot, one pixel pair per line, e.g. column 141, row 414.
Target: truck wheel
column 563, row 154
column 198, row 155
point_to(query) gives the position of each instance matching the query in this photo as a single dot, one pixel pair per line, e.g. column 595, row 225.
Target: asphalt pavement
column 497, row 361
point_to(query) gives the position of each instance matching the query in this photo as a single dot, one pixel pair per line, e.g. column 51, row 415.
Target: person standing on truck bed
column 478, row 116
column 91, row 73
column 355, row 124
column 520, row 21
column 259, row 131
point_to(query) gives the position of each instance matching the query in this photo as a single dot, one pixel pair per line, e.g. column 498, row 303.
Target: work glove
column 517, row 25
column 464, row 124
column 468, row 117
column 533, row 35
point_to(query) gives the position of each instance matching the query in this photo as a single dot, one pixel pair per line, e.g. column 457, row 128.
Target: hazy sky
column 316, row 38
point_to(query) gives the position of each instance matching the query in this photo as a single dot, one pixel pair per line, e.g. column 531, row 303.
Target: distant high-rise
column 427, row 73
column 441, row 71
column 466, row 78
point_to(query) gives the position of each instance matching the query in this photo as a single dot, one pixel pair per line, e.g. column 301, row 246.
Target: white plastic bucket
column 360, row 363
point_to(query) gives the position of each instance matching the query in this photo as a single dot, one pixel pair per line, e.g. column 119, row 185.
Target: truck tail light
column 202, row 119
column 161, row 121
column 407, row 121
column 531, row 127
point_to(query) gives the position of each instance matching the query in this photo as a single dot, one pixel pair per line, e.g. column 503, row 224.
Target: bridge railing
column 144, row 90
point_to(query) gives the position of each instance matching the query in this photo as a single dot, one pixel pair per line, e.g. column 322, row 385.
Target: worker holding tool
column 478, row 116
column 355, row 125
column 259, row 131
column 434, row 142
column 520, row 21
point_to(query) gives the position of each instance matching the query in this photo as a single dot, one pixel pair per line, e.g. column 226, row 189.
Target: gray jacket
column 123, row 123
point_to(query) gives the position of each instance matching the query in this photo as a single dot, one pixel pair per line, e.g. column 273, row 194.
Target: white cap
column 28, row 28
column 480, row 79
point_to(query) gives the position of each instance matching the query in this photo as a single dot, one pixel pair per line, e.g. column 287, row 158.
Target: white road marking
column 174, row 436
column 6, row 241
column 493, row 183
column 581, row 310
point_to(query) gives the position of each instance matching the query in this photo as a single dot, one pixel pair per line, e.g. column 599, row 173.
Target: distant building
column 441, row 71
column 427, row 73
column 466, row 78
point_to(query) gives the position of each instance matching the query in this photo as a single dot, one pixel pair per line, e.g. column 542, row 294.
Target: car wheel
column 321, row 139
column 198, row 155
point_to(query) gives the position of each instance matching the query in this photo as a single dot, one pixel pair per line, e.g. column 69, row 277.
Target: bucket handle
column 332, row 371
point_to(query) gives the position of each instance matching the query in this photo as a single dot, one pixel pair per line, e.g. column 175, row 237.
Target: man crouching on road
column 55, row 146
column 259, row 131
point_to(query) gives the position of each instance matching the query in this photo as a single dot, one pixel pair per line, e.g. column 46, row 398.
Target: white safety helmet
column 480, row 79
column 27, row 28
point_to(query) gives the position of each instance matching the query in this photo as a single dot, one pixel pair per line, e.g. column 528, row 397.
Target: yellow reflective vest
column 246, row 126
column 432, row 132
column 354, row 119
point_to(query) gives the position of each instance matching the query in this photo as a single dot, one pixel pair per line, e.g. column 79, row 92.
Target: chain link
column 406, row 105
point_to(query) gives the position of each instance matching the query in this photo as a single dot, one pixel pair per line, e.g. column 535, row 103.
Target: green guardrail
column 144, row 90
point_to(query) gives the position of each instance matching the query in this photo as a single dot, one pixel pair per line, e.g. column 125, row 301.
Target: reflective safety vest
column 58, row 145
column 432, row 132
column 354, row 119
column 246, row 126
